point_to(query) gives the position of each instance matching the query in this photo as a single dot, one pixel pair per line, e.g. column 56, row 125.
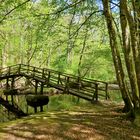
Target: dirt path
column 90, row 122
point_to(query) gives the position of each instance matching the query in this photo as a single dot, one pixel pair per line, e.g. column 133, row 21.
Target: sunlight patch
column 136, row 137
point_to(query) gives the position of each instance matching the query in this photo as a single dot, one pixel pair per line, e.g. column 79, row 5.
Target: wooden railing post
column 12, row 83
column 19, row 68
column 7, row 83
column 43, row 73
column 36, row 86
column 68, row 79
column 106, row 91
column 96, row 92
column 79, row 83
column 79, row 87
column 95, row 95
column 9, row 71
column 58, row 77
column 12, row 99
column 66, row 89
column 48, row 80
column 41, row 92
column 33, row 71
column 41, row 88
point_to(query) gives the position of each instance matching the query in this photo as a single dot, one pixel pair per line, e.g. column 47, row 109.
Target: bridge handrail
column 56, row 77
column 36, row 70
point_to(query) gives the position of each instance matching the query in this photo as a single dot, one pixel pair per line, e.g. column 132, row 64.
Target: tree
column 130, row 40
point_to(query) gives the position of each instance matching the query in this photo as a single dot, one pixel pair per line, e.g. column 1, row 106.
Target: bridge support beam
column 35, row 109
column 36, row 86
column 41, row 92
column 41, row 108
column 12, row 99
column 13, row 83
column 41, row 88
column 7, row 83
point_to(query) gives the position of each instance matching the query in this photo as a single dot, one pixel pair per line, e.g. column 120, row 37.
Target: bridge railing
column 9, row 70
column 67, row 81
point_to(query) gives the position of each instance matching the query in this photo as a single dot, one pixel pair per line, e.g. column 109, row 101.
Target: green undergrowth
column 64, row 102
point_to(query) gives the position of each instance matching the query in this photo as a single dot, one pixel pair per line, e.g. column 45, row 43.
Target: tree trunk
column 116, row 57
column 128, row 53
column 133, row 27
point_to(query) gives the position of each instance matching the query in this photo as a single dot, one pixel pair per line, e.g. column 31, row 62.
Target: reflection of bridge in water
column 87, row 89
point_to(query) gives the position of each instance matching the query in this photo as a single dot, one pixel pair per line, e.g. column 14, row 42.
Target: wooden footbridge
column 87, row 89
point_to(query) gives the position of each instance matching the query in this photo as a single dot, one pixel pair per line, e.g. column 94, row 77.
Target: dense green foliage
column 70, row 37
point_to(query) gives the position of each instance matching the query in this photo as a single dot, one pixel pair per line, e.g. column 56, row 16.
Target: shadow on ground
column 88, row 123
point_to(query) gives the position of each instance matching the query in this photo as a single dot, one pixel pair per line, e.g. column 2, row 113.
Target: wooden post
column 35, row 109
column 68, row 79
column 9, row 71
column 12, row 83
column 41, row 108
column 41, row 88
column 48, row 80
column 19, row 68
column 96, row 92
column 58, row 78
column 12, row 99
column 41, row 92
column 106, row 91
column 78, row 100
column 95, row 95
column 36, row 86
column 66, row 89
column 33, row 71
column 6, row 97
column 7, row 83
column 43, row 73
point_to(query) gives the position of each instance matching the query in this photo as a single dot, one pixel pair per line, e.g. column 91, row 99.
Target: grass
column 82, row 121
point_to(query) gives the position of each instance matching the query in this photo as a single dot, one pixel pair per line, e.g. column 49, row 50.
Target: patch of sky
column 113, row 3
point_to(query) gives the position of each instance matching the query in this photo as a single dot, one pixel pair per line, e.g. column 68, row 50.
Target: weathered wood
column 10, row 91
column 36, row 86
column 13, row 82
column 41, row 88
column 58, row 77
column 65, row 82
column 48, row 80
column 106, row 91
column 95, row 96
column 7, row 83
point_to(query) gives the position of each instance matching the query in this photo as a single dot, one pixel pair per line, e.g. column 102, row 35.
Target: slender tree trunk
column 116, row 57
column 128, row 53
column 82, row 51
column 134, row 41
column 136, row 5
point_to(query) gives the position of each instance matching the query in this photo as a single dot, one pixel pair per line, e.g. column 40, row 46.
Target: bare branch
column 115, row 4
column 61, row 9
column 86, row 20
column 13, row 10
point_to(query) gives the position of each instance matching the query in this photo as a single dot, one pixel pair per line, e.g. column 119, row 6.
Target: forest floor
column 100, row 121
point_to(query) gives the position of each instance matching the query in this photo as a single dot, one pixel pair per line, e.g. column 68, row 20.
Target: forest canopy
column 56, row 34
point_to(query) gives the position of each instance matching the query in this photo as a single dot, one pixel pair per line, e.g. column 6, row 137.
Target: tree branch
column 13, row 10
column 61, row 9
column 86, row 20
